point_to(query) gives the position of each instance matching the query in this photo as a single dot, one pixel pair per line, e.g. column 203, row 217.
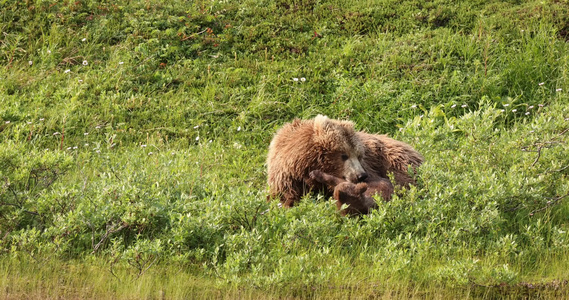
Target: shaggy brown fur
column 335, row 148
column 359, row 197
column 385, row 155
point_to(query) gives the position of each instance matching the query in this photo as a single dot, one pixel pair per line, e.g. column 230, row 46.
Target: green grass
column 134, row 137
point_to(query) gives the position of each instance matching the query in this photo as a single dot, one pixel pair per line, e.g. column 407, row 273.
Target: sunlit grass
column 96, row 279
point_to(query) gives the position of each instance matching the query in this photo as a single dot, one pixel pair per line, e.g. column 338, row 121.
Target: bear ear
column 321, row 124
column 348, row 126
column 327, row 130
column 361, row 188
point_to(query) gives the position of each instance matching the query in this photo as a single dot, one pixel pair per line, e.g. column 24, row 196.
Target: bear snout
column 362, row 177
column 353, row 170
column 357, row 177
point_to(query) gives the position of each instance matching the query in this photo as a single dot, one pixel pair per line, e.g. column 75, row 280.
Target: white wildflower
column 85, row 63
column 302, row 79
column 506, row 105
column 558, row 90
column 121, row 62
column 239, row 128
column 67, row 71
column 295, row 79
column 464, row 105
column 84, row 39
column 541, row 83
column 56, row 133
column 530, row 107
column 31, row 62
column 453, row 106
column 514, row 110
column 143, row 146
column 527, row 113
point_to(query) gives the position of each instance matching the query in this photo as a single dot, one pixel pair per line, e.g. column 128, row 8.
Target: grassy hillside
column 134, row 135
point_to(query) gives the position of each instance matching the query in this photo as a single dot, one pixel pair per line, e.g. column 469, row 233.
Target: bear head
column 339, row 149
column 301, row 146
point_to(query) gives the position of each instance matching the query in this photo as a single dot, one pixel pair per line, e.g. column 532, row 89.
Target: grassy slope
column 134, row 138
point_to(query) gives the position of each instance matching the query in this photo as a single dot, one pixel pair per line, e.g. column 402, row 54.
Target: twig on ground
column 538, row 156
column 110, row 230
column 549, row 204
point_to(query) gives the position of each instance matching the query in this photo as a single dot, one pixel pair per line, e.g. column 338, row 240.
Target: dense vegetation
column 134, row 133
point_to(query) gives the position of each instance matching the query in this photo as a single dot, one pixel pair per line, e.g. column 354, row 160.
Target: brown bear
column 336, row 148
column 359, row 197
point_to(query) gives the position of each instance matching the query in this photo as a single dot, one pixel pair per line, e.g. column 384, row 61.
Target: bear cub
column 358, row 196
